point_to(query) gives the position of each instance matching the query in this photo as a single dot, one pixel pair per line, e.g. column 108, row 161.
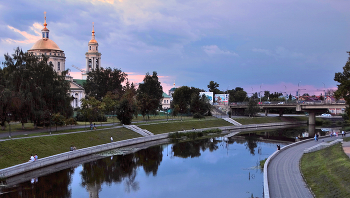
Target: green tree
column 200, row 104
column 344, row 84
column 237, row 95
column 252, row 109
column 127, row 107
column 100, row 81
column 149, row 94
column 58, row 120
column 92, row 109
column 35, row 87
column 213, row 87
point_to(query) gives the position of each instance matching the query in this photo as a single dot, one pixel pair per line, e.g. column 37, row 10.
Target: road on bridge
column 284, row 174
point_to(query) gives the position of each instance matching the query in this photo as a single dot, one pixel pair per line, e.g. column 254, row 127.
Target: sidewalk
column 346, row 148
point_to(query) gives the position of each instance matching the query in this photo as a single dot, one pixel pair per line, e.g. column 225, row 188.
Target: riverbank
column 326, row 172
column 18, row 151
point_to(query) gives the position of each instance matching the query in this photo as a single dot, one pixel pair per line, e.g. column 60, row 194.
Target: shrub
column 198, row 116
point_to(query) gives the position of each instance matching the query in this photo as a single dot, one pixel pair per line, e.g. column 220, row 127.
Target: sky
column 259, row 45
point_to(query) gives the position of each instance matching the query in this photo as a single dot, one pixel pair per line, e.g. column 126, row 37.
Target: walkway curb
column 266, row 182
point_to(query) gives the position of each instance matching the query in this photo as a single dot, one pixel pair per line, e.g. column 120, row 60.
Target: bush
column 198, row 116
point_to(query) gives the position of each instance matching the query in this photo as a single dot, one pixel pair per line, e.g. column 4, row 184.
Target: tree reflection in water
column 122, row 169
column 53, row 185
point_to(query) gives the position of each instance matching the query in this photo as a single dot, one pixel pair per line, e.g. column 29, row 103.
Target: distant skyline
column 272, row 45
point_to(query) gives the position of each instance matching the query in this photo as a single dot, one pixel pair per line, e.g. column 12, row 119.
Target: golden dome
column 92, row 41
column 45, row 44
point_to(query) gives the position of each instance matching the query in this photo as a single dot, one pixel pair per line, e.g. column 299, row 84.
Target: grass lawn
column 18, row 151
column 184, row 125
column 327, row 172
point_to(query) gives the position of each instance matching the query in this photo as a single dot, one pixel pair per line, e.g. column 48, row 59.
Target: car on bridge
column 326, row 115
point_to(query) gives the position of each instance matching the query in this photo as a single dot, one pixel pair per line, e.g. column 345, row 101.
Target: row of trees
column 107, row 95
column 30, row 89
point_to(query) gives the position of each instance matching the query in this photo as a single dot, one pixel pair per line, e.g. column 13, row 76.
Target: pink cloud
column 29, row 38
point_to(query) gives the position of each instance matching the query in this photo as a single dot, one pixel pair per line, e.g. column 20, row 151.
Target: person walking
column 111, row 139
column 36, row 157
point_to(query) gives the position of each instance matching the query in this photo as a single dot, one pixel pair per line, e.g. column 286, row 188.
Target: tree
column 182, row 98
column 92, row 109
column 127, row 107
column 149, row 94
column 34, row 88
column 213, row 87
column 58, row 119
column 200, row 104
column 344, row 84
column 101, row 81
column 252, row 109
column 237, row 95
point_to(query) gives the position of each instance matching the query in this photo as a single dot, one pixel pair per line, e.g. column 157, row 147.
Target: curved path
column 283, row 172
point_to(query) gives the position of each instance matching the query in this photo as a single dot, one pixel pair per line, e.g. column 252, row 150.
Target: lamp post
column 9, row 115
column 50, row 123
column 113, row 117
column 181, row 114
column 167, row 114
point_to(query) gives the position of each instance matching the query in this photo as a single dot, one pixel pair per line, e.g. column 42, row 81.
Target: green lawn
column 18, row 151
column 327, row 172
column 184, row 125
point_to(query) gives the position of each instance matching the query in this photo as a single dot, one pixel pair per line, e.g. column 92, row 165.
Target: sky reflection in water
column 200, row 168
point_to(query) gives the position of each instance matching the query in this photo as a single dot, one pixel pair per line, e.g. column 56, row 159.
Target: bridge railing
column 272, row 103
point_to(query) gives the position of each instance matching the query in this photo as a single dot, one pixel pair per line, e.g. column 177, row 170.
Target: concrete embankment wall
column 47, row 161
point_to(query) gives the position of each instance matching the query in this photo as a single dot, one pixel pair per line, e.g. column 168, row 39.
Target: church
column 57, row 58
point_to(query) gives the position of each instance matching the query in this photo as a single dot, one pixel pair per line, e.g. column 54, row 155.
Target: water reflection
column 205, row 167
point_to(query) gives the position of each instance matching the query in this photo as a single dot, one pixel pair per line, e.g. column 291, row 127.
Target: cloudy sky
column 255, row 44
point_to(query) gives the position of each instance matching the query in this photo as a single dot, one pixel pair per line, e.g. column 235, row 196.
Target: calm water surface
column 200, row 168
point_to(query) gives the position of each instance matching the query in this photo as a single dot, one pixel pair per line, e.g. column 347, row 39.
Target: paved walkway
column 285, row 180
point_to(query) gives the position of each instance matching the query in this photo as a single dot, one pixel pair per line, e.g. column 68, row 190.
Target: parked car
column 326, row 115
column 267, row 102
column 280, row 103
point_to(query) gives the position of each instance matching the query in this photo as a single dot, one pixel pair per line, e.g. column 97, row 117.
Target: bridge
column 310, row 107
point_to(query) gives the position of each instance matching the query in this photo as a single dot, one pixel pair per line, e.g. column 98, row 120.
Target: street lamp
column 113, row 117
column 167, row 114
column 9, row 115
column 50, row 123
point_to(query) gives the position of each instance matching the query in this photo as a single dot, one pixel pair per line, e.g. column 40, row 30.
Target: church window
column 58, row 66
column 96, row 62
column 43, row 34
column 90, row 62
column 90, row 47
column 47, row 35
column 50, row 63
column 50, row 53
column 96, row 47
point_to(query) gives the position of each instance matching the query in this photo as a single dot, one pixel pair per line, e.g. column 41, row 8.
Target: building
column 92, row 56
column 57, row 59
column 172, row 91
column 50, row 49
column 165, row 101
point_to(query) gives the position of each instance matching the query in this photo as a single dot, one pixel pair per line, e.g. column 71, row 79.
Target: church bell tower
column 93, row 57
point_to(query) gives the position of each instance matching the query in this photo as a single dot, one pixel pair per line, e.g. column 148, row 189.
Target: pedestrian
column 278, row 147
column 32, row 158
column 317, row 137
column 71, row 148
column 342, row 133
column 111, row 139
column 36, row 157
column 74, row 148
column 94, row 126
